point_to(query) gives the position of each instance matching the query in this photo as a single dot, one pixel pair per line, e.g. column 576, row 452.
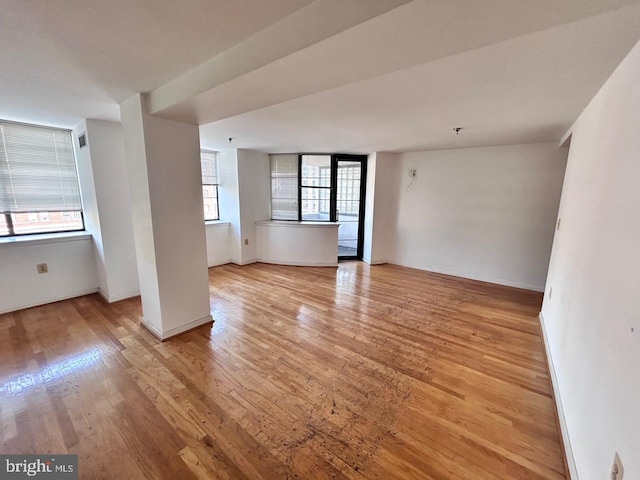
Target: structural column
column 165, row 182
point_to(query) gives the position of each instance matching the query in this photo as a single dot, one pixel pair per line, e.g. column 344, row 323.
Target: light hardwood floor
column 356, row 372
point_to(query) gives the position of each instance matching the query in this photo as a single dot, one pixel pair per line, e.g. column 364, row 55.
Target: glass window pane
column 284, row 187
column 209, row 165
column 210, row 197
column 4, row 228
column 348, row 190
column 315, row 204
column 44, row 222
column 316, row 171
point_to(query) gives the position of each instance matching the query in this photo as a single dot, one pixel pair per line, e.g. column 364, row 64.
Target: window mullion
column 299, row 188
column 9, row 221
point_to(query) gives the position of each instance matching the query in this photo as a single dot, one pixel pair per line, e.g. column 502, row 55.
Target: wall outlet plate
column 42, row 268
column 617, row 470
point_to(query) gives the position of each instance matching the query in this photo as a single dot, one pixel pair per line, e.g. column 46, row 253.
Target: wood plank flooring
column 312, row 373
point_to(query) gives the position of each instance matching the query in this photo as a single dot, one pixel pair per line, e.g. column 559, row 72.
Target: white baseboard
column 172, row 332
column 299, row 264
column 217, row 264
column 117, row 298
column 247, row 262
column 368, row 261
column 58, row 298
column 480, row 278
column 568, row 451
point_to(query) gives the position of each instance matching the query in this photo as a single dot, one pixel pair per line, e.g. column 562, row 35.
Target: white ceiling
column 527, row 89
column 62, row 61
column 412, row 34
column 379, row 75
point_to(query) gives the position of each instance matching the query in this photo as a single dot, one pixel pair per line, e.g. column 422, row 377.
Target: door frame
column 335, row 159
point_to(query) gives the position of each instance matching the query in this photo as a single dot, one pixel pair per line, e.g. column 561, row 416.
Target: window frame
column 215, row 185
column 7, row 215
column 13, row 233
column 333, row 198
column 296, row 187
column 331, row 187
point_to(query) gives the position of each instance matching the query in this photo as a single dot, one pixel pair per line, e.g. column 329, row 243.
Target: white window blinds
column 284, row 187
column 37, row 170
column 209, row 161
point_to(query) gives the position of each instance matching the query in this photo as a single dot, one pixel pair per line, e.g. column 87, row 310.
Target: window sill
column 215, row 222
column 41, row 238
column 296, row 224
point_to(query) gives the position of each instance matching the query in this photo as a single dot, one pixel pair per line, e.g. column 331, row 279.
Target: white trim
column 216, row 223
column 116, row 298
column 66, row 296
column 37, row 239
column 296, row 224
column 217, row 264
column 247, row 262
column 154, row 331
column 368, row 261
column 480, row 278
column 298, row 264
column 566, row 441
column 172, row 332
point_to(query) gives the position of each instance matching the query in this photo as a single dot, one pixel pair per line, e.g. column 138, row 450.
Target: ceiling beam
column 305, row 27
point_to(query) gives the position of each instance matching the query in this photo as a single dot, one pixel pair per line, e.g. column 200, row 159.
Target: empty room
column 320, row 239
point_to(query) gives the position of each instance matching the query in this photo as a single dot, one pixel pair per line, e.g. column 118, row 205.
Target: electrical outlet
column 246, row 241
column 42, row 268
column 617, row 470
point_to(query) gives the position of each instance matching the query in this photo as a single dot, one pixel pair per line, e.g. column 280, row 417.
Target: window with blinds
column 38, row 180
column 284, row 187
column 210, row 183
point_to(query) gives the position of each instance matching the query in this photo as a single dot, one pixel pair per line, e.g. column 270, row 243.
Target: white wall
column 255, row 198
column 244, row 197
column 106, row 147
column 72, row 271
column 90, row 212
column 301, row 244
column 381, row 207
column 592, row 318
column 483, row 213
column 229, row 200
column 218, row 243
column 106, row 207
